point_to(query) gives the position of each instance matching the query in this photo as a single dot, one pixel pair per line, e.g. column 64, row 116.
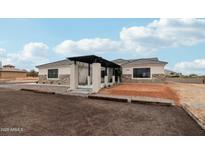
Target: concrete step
column 81, row 91
column 133, row 99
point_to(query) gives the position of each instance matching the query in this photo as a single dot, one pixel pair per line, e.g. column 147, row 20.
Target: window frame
column 49, row 78
column 150, row 77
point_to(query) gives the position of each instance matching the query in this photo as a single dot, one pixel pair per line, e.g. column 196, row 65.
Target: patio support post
column 74, row 76
column 89, row 83
column 106, row 77
column 113, row 76
column 118, row 76
column 96, row 77
column 118, row 79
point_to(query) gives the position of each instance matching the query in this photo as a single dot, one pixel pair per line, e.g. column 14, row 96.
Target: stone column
column 96, row 77
column 74, row 76
column 113, row 75
column 89, row 81
column 118, row 79
column 106, row 80
column 106, row 77
column 113, row 79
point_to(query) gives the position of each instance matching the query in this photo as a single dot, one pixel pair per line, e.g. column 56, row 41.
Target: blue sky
column 29, row 42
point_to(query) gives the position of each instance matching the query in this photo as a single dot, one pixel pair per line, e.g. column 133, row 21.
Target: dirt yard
column 192, row 96
column 143, row 89
column 27, row 113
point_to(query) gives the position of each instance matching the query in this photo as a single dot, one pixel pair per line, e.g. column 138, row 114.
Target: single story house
column 91, row 71
column 10, row 72
column 96, row 72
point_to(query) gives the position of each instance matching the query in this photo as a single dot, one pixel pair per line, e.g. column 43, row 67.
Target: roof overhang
column 94, row 59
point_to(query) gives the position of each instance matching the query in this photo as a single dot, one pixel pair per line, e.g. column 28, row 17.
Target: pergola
column 97, row 63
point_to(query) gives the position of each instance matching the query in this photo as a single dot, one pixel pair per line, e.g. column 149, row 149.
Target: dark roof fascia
column 94, row 59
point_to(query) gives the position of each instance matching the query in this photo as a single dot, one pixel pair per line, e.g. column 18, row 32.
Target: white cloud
column 158, row 34
column 32, row 54
column 34, row 49
column 187, row 67
column 2, row 52
column 86, row 46
column 165, row 33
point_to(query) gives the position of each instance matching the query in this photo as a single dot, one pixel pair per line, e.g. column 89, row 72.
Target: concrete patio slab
column 133, row 99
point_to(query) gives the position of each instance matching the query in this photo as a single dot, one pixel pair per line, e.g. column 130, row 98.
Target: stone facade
column 126, row 77
column 156, row 78
column 62, row 80
column 162, row 78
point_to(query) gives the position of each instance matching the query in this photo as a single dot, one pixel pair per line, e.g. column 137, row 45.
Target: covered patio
column 101, row 72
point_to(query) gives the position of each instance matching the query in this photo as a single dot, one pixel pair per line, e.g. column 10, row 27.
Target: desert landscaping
column 63, row 114
column 47, row 114
column 189, row 96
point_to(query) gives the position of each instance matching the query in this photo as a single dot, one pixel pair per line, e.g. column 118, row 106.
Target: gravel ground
column 28, row 113
column 142, row 89
column 193, row 97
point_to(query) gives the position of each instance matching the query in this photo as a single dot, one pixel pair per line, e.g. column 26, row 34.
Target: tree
column 32, row 73
column 193, row 75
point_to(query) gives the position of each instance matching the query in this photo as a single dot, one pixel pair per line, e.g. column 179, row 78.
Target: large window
column 53, row 73
column 141, row 72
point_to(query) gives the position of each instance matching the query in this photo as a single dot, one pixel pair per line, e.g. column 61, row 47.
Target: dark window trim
column 53, row 77
column 150, row 76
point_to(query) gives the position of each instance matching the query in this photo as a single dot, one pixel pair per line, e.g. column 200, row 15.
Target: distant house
column 140, row 69
column 171, row 73
column 10, row 72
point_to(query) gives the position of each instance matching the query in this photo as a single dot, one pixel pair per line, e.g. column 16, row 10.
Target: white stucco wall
column 65, row 70
column 62, row 70
column 155, row 69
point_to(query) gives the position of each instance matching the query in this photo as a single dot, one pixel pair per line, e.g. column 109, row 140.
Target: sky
column 26, row 43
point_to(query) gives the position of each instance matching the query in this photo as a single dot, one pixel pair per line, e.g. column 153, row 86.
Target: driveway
column 28, row 113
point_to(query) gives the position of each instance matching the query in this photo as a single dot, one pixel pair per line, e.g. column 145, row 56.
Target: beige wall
column 66, row 70
column 155, row 69
column 12, row 75
column 62, row 70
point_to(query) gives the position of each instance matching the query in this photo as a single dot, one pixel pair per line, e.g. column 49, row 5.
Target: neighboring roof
column 94, row 59
column 120, row 61
column 12, row 70
column 141, row 61
column 170, row 71
column 8, row 65
column 55, row 64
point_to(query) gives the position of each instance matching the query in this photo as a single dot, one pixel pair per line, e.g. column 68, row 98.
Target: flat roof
column 94, row 59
